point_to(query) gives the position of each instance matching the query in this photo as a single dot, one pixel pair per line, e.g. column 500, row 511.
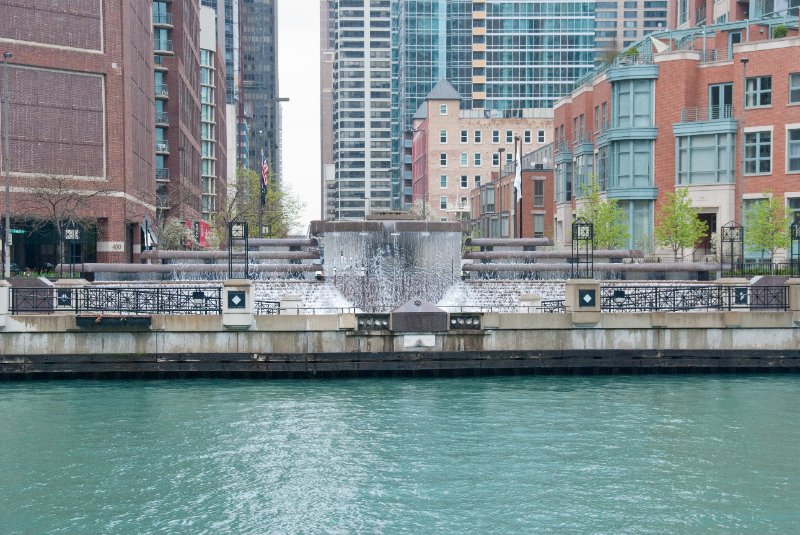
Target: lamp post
column 7, row 165
column 740, row 199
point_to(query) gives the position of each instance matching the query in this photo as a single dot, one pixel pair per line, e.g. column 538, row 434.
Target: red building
column 713, row 109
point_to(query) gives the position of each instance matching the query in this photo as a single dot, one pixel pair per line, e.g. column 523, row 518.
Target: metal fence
column 691, row 298
column 161, row 300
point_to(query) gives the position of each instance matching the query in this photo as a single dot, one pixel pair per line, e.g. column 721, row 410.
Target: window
column 495, row 136
column 464, row 136
column 509, row 157
column 793, row 151
column 443, row 202
column 526, row 136
column 794, row 88
column 538, row 193
column 464, row 159
column 478, row 136
column 632, row 105
column 705, row 159
column 495, row 159
column 442, row 136
column 443, row 181
column 443, row 159
column 720, row 101
column 757, row 152
column 758, row 91
column 540, row 136
column 597, row 118
column 509, row 136
column 464, row 181
column 477, row 181
column 442, row 109
column 538, row 225
column 476, row 159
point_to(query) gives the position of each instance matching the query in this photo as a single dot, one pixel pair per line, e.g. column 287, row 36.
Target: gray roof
column 422, row 112
column 443, row 91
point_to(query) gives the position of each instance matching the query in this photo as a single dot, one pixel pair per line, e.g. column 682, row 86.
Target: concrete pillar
column 237, row 304
column 735, row 292
column 5, row 302
column 66, row 298
column 794, row 294
column 291, row 304
column 582, row 298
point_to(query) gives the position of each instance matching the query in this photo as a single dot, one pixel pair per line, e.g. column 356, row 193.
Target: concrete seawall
column 50, row 346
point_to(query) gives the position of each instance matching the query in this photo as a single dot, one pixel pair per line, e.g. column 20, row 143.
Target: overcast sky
column 298, row 70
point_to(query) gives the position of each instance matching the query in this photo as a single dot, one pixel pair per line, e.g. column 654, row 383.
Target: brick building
column 456, row 150
column 675, row 114
column 80, row 83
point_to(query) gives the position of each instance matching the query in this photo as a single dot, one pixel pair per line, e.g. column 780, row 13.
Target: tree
column 421, row 210
column 766, row 227
column 610, row 221
column 677, row 224
column 281, row 211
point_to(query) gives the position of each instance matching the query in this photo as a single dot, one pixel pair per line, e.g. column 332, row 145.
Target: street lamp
column 740, row 199
column 7, row 164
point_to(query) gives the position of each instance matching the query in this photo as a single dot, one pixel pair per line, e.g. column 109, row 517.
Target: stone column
column 794, row 297
column 237, row 304
column 583, row 300
column 735, row 293
column 67, row 295
column 5, row 302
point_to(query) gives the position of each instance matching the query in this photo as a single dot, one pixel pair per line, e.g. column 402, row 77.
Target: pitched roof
column 422, row 112
column 443, row 91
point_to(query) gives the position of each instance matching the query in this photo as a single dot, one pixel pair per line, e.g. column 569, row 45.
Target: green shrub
column 779, row 31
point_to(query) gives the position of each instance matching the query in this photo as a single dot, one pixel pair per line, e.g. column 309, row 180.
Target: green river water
column 619, row 454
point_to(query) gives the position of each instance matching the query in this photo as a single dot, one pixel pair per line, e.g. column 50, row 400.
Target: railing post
column 793, row 287
column 66, row 298
column 237, row 304
column 735, row 293
column 583, row 300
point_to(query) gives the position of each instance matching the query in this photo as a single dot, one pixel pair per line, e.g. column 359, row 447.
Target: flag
column 518, row 175
column 264, row 173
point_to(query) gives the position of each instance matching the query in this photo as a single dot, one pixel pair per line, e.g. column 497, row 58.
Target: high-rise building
column 259, row 70
column 327, row 43
column 362, row 107
column 80, row 119
column 619, row 24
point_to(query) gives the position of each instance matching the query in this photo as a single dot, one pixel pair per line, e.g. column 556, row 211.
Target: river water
column 651, row 454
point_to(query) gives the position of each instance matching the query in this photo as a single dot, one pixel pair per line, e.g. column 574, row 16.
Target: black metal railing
column 761, row 268
column 266, row 308
column 689, row 298
column 163, row 300
column 552, row 306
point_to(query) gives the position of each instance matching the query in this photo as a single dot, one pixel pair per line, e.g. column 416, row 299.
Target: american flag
column 264, row 173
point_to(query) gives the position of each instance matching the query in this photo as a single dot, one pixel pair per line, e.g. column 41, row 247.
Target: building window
column 443, row 159
column 477, row 159
column 495, row 159
column 794, row 88
column 443, row 181
column 509, row 158
column 464, row 159
column 442, row 109
column 509, row 136
column 464, row 181
column 495, row 136
column 632, row 106
column 597, row 118
column 478, row 136
column 757, row 152
column 443, row 202
column 538, row 193
column 793, row 151
column 442, row 136
column 477, row 181
column 538, row 225
column 540, row 136
column 464, row 136
column 526, row 136
column 759, row 91
column 705, row 159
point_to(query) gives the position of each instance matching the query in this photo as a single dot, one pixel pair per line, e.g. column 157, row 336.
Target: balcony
column 582, row 138
column 162, row 146
column 162, row 20
column 162, row 91
column 162, row 118
column 163, row 46
column 162, row 175
column 711, row 113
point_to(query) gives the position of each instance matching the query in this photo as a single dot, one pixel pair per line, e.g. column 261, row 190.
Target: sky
column 299, row 81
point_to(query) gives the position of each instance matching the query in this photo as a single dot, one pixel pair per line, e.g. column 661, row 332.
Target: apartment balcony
column 162, row 20
column 162, row 91
column 162, row 146
column 162, row 118
column 711, row 113
column 163, row 46
column 162, row 175
column 582, row 138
